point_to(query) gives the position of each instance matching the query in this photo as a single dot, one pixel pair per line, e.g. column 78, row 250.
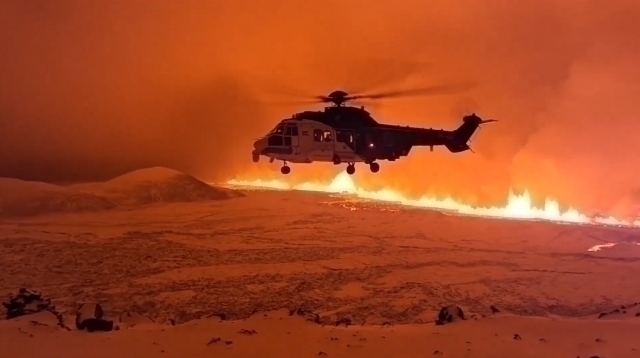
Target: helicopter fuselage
column 350, row 135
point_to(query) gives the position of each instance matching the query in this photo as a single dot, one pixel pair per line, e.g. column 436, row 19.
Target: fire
column 517, row 207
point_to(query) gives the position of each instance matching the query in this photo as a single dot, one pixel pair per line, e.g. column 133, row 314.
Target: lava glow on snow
column 518, row 206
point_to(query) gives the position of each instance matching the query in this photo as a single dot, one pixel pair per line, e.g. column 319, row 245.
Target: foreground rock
column 29, row 302
column 449, row 314
column 90, row 316
column 306, row 314
column 26, row 302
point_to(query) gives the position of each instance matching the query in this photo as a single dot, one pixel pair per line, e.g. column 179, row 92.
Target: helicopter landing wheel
column 256, row 158
column 375, row 167
column 285, row 169
column 351, row 168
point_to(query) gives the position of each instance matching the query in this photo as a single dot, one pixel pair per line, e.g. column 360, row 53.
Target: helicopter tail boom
column 461, row 136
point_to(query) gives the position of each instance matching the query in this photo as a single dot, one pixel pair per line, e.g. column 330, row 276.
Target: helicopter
column 347, row 134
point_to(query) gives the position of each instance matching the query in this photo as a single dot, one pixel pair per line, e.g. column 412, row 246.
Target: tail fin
column 462, row 135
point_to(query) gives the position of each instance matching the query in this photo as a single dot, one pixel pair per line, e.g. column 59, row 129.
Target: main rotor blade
column 425, row 91
column 292, row 103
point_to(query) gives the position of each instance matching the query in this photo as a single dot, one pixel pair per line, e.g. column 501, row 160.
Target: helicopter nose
column 259, row 144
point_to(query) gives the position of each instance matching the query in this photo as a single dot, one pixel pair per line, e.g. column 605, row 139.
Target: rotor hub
column 338, row 97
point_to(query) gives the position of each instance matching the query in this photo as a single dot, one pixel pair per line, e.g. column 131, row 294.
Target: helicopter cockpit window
column 317, row 135
column 278, row 130
column 327, row 136
column 288, row 131
column 275, row 140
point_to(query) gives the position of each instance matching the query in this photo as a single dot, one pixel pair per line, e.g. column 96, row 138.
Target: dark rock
column 228, row 342
column 248, row 332
column 437, row 352
column 322, row 354
column 326, row 321
column 542, row 340
column 93, row 325
column 222, row 316
column 26, row 302
column 449, row 314
column 307, row 314
column 602, row 314
column 344, row 320
column 36, row 323
column 213, row 340
column 494, row 309
column 637, row 314
column 90, row 316
column 517, row 337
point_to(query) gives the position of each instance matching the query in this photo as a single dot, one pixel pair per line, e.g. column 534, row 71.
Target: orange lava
column 517, row 207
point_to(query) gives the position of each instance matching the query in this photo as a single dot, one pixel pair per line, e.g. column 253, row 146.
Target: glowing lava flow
column 518, row 206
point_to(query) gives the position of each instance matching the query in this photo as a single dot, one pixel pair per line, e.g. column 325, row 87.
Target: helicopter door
column 291, row 137
column 323, row 145
column 345, row 145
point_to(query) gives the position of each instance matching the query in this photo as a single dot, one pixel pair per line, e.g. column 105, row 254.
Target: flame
column 517, row 207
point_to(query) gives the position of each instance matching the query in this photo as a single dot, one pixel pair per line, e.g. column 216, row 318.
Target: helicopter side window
column 344, row 137
column 317, row 135
column 327, row 136
column 292, row 130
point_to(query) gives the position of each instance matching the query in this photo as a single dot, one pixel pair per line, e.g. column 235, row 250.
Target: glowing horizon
column 517, row 207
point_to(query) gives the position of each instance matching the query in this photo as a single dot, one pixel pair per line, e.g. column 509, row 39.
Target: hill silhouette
column 20, row 198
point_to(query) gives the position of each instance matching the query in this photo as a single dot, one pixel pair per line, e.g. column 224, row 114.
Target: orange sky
column 91, row 89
